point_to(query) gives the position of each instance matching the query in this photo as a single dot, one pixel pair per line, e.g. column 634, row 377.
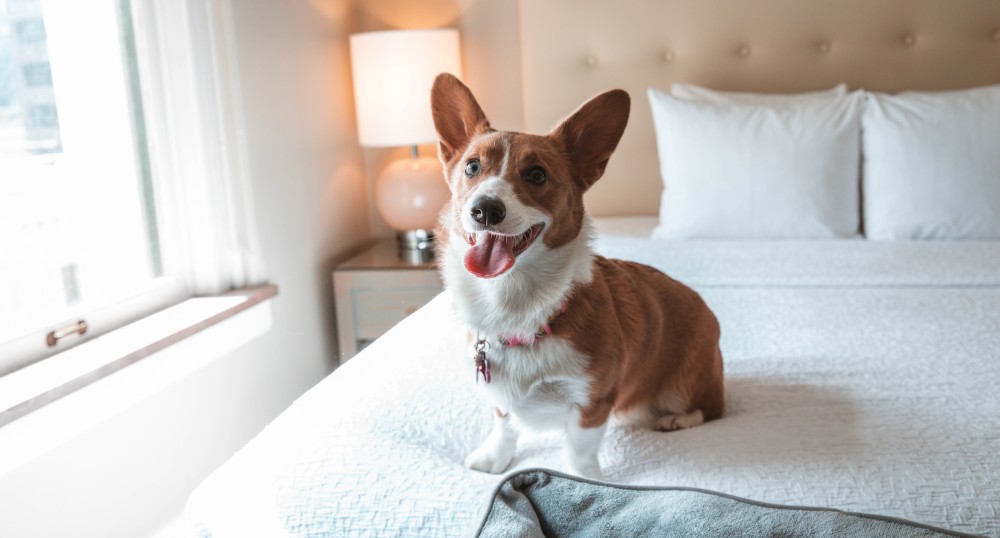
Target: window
column 36, row 74
column 28, row 31
column 79, row 230
column 42, row 119
column 122, row 171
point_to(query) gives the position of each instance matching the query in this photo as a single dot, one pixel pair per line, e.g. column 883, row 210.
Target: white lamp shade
column 393, row 73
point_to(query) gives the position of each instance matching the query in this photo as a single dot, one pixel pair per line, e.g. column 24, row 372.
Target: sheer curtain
column 206, row 195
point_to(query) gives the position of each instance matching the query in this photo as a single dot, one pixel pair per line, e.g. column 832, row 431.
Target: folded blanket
column 546, row 503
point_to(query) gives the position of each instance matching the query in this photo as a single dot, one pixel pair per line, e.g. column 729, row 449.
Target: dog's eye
column 473, row 168
column 535, row 175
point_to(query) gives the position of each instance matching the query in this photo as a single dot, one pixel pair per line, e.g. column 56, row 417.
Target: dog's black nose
column 488, row 211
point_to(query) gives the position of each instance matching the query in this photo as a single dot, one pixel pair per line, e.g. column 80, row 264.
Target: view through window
column 77, row 221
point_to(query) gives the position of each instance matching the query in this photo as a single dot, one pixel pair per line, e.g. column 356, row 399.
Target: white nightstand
column 374, row 290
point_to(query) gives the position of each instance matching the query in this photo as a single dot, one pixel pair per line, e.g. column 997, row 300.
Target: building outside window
column 37, row 74
column 28, row 115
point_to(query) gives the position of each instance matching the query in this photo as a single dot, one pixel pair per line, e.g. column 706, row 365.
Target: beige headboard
column 573, row 49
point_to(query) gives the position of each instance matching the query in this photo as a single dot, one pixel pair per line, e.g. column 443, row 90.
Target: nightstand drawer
column 371, row 300
column 377, row 310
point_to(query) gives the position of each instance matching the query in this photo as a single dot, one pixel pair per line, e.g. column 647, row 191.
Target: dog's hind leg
column 682, row 410
column 669, row 423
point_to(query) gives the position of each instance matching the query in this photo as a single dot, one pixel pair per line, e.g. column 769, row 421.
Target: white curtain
column 200, row 165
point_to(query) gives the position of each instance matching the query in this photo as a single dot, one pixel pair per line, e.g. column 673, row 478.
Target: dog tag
column 482, row 366
column 482, row 363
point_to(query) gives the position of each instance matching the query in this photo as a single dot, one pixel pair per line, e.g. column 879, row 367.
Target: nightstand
column 376, row 289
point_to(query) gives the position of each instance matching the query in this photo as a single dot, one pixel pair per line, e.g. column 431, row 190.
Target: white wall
column 133, row 473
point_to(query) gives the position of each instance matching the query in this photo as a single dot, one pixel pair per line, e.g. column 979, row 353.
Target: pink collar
column 542, row 332
column 482, row 362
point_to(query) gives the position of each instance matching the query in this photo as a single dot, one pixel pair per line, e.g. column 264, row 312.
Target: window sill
column 57, row 398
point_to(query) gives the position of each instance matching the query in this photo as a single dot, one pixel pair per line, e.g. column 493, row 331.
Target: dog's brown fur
column 652, row 341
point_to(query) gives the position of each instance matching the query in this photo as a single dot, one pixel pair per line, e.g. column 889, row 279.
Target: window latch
column 80, row 327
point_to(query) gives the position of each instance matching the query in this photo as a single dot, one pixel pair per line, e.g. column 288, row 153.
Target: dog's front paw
column 489, row 458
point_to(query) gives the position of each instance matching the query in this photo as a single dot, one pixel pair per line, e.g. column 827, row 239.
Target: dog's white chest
column 539, row 384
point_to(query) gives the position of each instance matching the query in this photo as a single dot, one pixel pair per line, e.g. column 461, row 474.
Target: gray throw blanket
column 546, row 503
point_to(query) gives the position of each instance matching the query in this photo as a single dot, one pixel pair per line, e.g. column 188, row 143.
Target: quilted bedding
column 860, row 376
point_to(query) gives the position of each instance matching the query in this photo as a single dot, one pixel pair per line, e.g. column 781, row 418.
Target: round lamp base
column 410, row 193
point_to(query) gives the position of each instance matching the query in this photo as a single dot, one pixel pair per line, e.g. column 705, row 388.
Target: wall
column 134, row 473
column 307, row 167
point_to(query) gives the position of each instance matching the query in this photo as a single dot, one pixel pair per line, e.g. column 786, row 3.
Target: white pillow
column 786, row 170
column 932, row 165
column 706, row 95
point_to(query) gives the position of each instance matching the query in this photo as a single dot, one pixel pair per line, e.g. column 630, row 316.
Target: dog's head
column 510, row 191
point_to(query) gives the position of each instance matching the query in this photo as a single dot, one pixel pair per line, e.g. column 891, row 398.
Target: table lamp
column 393, row 73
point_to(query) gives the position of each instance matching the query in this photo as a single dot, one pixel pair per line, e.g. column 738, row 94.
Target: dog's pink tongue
column 490, row 256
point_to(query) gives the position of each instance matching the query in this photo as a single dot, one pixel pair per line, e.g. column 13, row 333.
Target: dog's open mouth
column 493, row 254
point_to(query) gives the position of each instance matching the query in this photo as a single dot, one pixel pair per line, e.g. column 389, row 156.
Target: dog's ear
column 457, row 115
column 591, row 134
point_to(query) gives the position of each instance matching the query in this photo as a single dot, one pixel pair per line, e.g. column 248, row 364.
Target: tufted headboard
column 573, row 49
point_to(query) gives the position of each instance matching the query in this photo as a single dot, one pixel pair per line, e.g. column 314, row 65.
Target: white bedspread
column 860, row 376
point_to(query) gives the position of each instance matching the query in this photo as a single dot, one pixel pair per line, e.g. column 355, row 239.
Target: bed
column 897, row 415
column 861, row 374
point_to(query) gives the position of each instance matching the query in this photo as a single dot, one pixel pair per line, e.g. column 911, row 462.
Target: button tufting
column 909, row 40
column 668, row 56
column 744, row 51
column 824, row 46
column 591, row 60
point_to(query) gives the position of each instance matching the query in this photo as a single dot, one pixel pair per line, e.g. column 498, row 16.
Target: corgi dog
column 559, row 336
